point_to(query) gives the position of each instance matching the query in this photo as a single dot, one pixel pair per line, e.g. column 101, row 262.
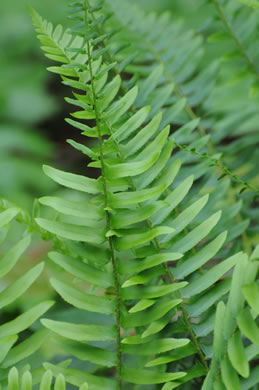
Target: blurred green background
column 29, row 101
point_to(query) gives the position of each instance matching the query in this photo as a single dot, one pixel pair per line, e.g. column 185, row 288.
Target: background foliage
column 199, row 62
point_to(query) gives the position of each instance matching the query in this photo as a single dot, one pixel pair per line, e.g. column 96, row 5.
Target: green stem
column 108, row 223
column 156, row 245
column 187, row 322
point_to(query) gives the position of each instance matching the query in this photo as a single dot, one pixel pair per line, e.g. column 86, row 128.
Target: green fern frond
column 27, row 379
column 237, row 336
column 253, row 4
column 138, row 250
column 11, row 352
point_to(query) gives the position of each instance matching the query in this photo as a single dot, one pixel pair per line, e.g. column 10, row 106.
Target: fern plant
column 143, row 255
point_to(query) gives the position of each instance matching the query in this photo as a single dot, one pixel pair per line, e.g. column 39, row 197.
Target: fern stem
column 156, row 245
column 107, row 53
column 187, row 322
column 107, row 215
column 202, row 131
column 185, row 314
column 235, row 38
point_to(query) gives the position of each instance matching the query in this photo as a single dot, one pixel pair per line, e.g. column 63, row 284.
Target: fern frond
column 27, row 379
column 252, row 4
column 11, row 352
column 237, row 337
column 141, row 250
column 153, row 47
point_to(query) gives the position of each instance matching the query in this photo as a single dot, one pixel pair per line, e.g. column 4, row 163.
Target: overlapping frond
column 123, row 264
column 27, row 379
column 12, row 349
column 236, row 333
column 236, row 25
column 151, row 60
column 143, row 253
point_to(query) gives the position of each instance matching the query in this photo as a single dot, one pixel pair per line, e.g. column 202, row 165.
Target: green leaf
column 13, row 379
column 26, row 381
column 63, row 71
column 121, row 106
column 130, row 169
column 149, row 85
column 219, row 36
column 135, row 266
column 133, row 239
column 148, row 377
column 132, row 124
column 124, row 199
column 89, row 131
column 184, row 218
column 155, row 346
column 10, row 258
column 148, row 292
column 144, row 277
column 168, row 174
column 72, row 232
column 124, row 218
column 77, row 85
column 17, row 288
column 251, row 294
column 71, row 180
column 81, row 270
column 155, row 327
column 171, row 385
column 142, row 137
column 171, row 113
column 60, row 383
column 210, row 277
column 148, row 177
column 219, row 342
column 236, row 299
column 205, row 301
column 250, row 3
column 83, row 149
column 237, row 356
column 26, row 348
column 76, row 209
column 78, row 377
column 229, row 375
column 248, row 326
column 196, row 261
column 6, row 344
column 173, row 200
column 187, row 350
column 89, row 353
column 156, row 144
column 82, row 300
column 146, row 317
column 46, row 380
column 84, row 114
column 196, row 235
column 141, row 305
column 7, row 215
column 24, row 320
column 81, row 332
column 109, row 92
